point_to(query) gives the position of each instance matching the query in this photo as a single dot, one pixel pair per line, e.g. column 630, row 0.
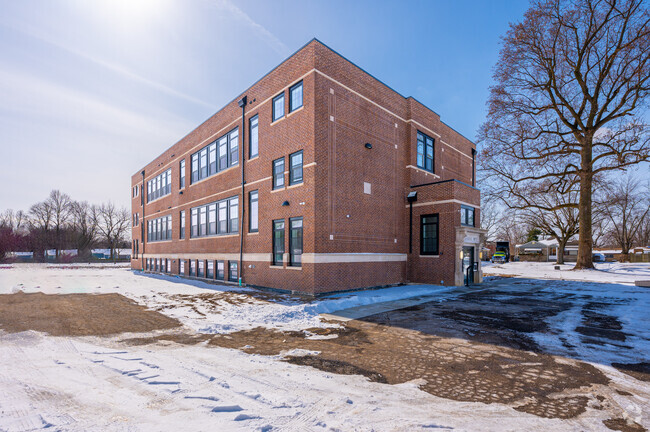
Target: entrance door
column 468, row 263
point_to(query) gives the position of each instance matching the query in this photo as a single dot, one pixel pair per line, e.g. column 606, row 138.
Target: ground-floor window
column 429, row 234
column 163, row 265
column 201, row 268
column 232, row 271
column 169, row 265
column 295, row 242
column 181, row 267
column 210, row 272
column 278, row 241
column 220, row 270
column 193, row 268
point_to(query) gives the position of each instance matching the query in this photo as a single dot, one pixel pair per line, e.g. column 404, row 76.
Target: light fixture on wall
column 285, row 204
column 368, row 145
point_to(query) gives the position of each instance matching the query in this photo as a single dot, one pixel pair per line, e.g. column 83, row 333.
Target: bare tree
column 561, row 222
column 572, row 82
column 61, row 205
column 40, row 225
column 490, row 216
column 643, row 235
column 84, row 222
column 628, row 208
column 113, row 224
column 512, row 228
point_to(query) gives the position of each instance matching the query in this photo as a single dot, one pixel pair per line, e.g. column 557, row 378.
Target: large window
column 295, row 168
column 425, row 152
column 215, row 218
column 201, row 272
column 429, row 235
column 181, row 169
column 295, row 242
column 193, row 268
column 210, row 270
column 159, row 186
column 295, row 97
column 181, row 267
column 466, row 216
column 278, row 173
column 278, row 241
column 159, row 229
column 253, row 222
column 217, row 156
column 253, row 137
column 278, row 107
column 182, row 227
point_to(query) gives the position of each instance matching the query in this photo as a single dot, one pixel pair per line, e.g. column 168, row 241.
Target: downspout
column 411, row 227
column 242, row 104
column 142, row 222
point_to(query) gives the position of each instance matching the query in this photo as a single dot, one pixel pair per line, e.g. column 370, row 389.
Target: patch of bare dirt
column 640, row 371
column 78, row 314
column 620, row 424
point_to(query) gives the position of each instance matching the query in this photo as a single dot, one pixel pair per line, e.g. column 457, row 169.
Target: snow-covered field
column 609, row 272
column 93, row 383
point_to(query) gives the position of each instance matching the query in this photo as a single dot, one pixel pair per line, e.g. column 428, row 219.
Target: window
column 159, row 186
column 163, row 265
column 181, row 268
column 278, row 107
column 295, row 242
column 429, row 235
column 169, row 265
column 220, row 270
column 201, row 272
column 182, row 173
column 425, row 152
column 182, row 228
column 466, row 216
column 278, row 241
column 253, row 222
column 232, row 271
column 160, row 229
column 253, row 137
column 221, row 217
column 194, row 222
column 216, row 156
column 278, row 173
column 193, row 268
column 210, row 270
column 295, row 97
column 295, row 170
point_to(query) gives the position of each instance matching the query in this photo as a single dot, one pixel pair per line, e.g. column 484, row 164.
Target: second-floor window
column 159, row 229
column 253, row 225
column 425, row 152
column 216, row 218
column 182, row 173
column 278, row 107
column 182, row 227
column 466, row 215
column 278, row 173
column 295, row 168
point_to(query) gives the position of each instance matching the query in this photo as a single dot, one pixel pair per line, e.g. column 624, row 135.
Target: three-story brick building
column 317, row 178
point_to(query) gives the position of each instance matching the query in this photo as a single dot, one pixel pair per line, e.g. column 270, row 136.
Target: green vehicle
column 499, row 257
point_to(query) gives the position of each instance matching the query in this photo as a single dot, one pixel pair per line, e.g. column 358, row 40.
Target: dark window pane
column 278, row 107
column 295, row 97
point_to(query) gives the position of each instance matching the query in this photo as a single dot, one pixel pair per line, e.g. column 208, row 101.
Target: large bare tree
column 61, row 205
column 570, row 94
column 84, row 224
column 113, row 224
column 40, row 225
column 627, row 210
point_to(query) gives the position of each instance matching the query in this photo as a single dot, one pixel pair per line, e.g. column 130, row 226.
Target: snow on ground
column 232, row 309
column 81, row 384
column 609, row 272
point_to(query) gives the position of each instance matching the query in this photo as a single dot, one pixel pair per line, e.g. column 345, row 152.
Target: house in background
column 538, row 251
column 317, row 178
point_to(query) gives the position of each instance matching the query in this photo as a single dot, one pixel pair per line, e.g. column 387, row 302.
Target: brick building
column 317, row 178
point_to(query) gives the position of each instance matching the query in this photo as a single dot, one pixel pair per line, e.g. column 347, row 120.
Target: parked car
column 499, row 257
column 598, row 257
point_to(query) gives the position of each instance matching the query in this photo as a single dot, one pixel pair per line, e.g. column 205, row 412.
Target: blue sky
column 90, row 91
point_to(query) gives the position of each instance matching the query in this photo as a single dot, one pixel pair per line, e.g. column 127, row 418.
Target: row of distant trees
column 620, row 216
column 61, row 223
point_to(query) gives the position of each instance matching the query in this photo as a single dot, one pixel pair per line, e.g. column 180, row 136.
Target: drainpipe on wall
column 411, row 198
column 242, row 104
column 142, row 222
